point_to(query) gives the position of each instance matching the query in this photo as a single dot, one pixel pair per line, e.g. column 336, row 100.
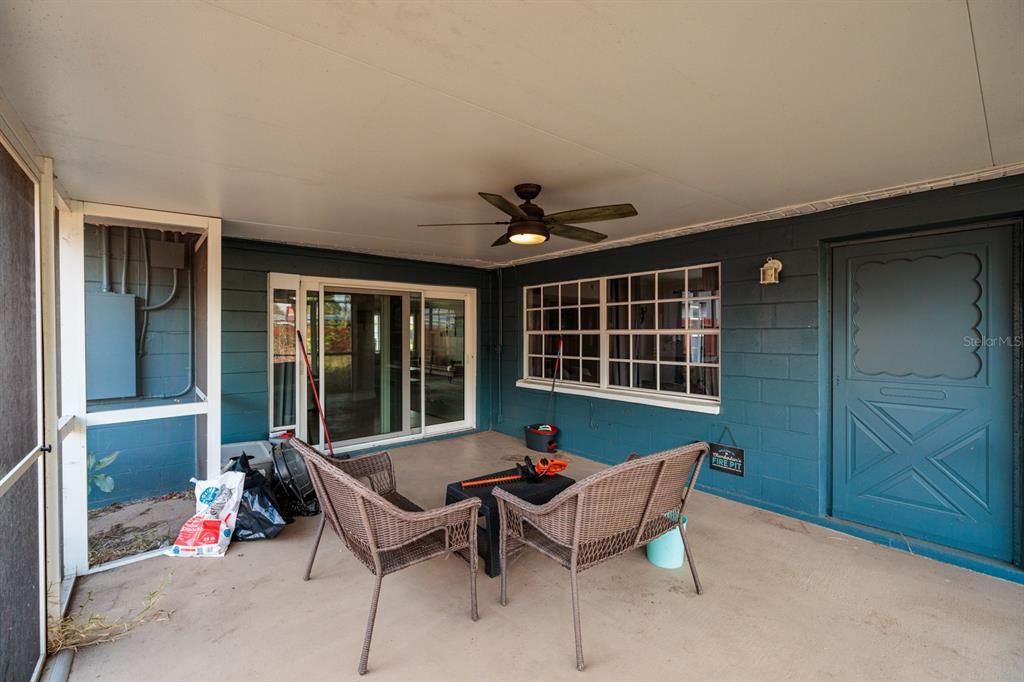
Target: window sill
column 687, row 403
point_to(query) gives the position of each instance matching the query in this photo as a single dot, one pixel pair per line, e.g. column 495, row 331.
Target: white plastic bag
column 209, row 531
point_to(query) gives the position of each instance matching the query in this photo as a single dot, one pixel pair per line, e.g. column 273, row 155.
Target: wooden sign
column 727, row 458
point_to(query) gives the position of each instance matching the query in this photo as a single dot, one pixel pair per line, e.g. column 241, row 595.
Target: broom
column 554, row 377
column 316, row 395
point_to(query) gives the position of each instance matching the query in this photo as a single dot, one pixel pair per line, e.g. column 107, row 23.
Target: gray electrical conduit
column 144, row 247
column 105, row 258
column 124, row 260
column 191, row 350
column 174, row 289
column 146, row 308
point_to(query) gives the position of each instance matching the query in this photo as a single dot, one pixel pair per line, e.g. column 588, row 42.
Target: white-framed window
column 566, row 313
column 654, row 336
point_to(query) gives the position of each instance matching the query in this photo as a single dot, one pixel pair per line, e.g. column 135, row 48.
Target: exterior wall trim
column 625, row 395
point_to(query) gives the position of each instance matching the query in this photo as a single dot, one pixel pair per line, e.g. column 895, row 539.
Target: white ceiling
column 345, row 124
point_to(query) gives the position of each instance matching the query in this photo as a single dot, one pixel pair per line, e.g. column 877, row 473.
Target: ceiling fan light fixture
column 528, row 232
column 530, row 226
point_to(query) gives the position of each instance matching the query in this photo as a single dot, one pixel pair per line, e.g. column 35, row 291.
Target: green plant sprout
column 102, row 482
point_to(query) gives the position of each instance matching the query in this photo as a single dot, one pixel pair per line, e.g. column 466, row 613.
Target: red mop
column 316, row 395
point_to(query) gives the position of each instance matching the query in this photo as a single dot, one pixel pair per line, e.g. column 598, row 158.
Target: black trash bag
column 259, row 516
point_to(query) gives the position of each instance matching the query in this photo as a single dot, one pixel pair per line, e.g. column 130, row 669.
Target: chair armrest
column 555, row 518
column 376, row 468
column 548, row 507
column 393, row 527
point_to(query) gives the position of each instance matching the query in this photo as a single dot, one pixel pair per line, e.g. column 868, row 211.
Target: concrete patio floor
column 782, row 600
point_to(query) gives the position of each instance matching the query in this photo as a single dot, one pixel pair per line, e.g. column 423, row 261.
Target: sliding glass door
column 365, row 381
column 444, row 338
column 390, row 361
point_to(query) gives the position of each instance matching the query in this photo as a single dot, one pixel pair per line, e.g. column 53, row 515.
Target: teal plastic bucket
column 666, row 550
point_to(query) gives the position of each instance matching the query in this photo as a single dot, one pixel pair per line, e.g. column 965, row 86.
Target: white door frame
column 287, row 283
column 74, row 408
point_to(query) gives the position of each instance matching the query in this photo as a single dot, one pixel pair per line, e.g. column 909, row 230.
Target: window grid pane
column 664, row 331
column 562, row 310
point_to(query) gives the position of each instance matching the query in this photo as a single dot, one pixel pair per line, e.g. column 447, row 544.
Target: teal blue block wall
column 775, row 371
column 154, row 458
column 244, row 332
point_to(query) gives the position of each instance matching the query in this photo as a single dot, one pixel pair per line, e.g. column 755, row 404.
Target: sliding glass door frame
column 320, row 285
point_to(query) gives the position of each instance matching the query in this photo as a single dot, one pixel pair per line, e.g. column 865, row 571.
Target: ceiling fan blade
column 580, row 234
column 594, row 214
column 502, row 240
column 499, row 222
column 502, row 204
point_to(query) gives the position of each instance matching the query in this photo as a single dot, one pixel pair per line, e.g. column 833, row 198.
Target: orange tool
column 545, row 467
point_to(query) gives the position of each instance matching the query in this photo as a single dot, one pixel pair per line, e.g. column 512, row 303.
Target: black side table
column 488, row 539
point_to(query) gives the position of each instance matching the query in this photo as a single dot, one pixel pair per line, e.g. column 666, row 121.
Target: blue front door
column 922, row 398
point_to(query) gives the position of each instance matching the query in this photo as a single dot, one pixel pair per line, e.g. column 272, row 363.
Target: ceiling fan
column 529, row 225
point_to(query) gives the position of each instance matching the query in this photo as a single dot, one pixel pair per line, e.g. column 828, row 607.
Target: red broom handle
column 316, row 395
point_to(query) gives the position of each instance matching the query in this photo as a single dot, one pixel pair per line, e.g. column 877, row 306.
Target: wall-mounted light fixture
column 770, row 271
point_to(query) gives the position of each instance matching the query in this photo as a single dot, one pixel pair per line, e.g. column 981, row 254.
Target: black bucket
column 541, row 440
column 291, row 483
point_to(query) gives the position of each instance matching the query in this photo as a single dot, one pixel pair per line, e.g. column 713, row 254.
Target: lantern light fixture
column 770, row 271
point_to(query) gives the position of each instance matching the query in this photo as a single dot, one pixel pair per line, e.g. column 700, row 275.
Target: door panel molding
column 926, row 452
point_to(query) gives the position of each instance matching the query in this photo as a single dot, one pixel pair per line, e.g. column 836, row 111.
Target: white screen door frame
column 76, row 418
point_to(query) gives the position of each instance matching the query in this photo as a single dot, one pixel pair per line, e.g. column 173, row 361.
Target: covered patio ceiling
column 345, row 124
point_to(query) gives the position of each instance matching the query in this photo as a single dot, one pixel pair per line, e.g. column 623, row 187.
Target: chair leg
column 689, row 560
column 369, row 627
column 316, row 545
column 576, row 619
column 502, row 552
column 473, row 613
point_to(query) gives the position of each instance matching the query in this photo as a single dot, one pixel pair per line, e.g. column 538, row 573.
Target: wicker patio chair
column 384, row 530
column 379, row 474
column 604, row 515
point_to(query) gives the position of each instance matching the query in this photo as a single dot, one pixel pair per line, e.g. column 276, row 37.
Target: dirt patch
column 122, row 530
column 783, row 522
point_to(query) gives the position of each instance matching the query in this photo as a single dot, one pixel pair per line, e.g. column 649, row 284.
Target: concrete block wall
column 769, row 368
column 775, row 377
column 154, row 458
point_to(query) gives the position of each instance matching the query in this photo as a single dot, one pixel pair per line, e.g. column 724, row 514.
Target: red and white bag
column 209, row 531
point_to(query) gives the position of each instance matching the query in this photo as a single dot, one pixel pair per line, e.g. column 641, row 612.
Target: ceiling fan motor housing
column 532, row 210
column 527, row 191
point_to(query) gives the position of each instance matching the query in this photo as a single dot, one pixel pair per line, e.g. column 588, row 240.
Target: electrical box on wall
column 166, row 254
column 109, row 346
